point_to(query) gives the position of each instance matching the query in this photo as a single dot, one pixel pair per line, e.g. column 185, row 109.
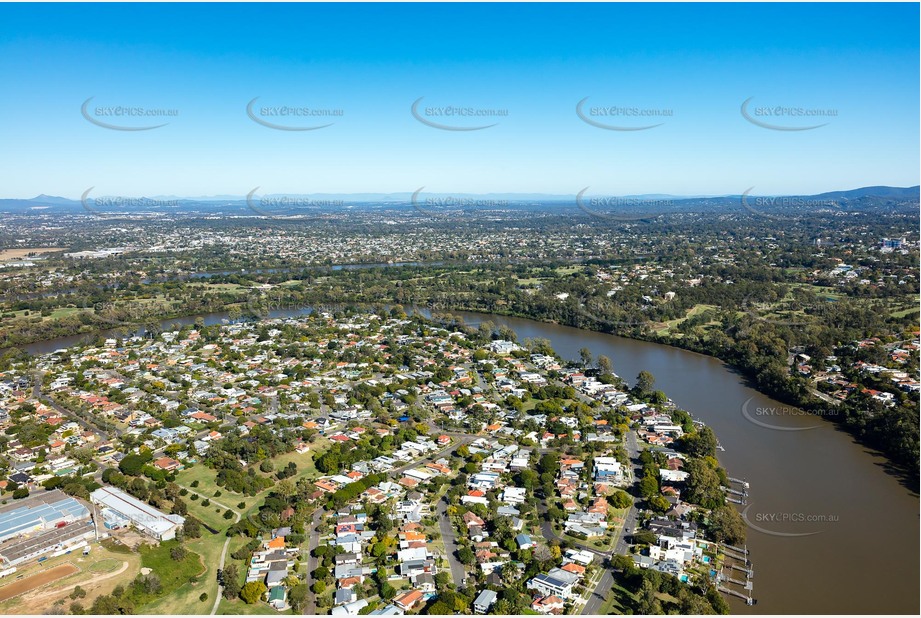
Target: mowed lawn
column 211, row 515
column 207, row 487
column 185, row 581
column 207, row 483
column 616, row 602
column 304, row 462
column 667, row 327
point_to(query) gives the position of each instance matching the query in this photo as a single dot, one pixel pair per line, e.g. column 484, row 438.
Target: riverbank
column 792, row 394
column 787, row 390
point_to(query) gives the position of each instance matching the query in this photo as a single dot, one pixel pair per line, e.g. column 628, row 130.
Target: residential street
column 599, row 594
column 603, row 589
column 450, row 541
column 312, row 562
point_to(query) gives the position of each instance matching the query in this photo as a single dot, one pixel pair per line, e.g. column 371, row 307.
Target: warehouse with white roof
column 121, row 509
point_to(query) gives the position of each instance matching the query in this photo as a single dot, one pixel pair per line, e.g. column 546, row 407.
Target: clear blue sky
column 536, row 61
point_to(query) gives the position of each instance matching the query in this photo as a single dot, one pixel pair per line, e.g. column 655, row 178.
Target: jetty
column 748, row 599
column 749, row 573
column 724, row 579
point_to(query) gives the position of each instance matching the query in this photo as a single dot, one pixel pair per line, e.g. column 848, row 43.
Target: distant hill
column 864, row 198
column 896, row 192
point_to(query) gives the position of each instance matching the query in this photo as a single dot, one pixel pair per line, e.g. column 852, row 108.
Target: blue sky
column 535, row 61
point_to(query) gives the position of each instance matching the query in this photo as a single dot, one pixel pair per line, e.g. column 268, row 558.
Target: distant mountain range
column 877, row 196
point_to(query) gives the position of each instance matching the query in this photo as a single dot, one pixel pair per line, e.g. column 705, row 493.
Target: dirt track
column 34, row 581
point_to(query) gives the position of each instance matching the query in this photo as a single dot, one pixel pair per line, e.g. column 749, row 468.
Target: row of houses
column 272, row 565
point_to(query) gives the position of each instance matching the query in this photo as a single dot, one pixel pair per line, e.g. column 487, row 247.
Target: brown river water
column 856, row 544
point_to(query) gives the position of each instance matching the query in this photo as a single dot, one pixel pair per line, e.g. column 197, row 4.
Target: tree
column 604, row 364
column 22, row 492
column 649, row 485
column 659, row 504
column 647, row 602
column 509, row 572
column 252, row 592
column 703, row 484
column 179, row 507
column 231, row 582
column 150, row 583
column 621, row 500
column 621, row 563
column 178, row 553
column 318, row 587
column 297, row 597
column 285, row 488
column 586, row 355
column 438, row 608
column 442, row 579
column 466, row 555
column 321, row 572
column 700, row 444
column 203, row 597
column 549, row 464
column 191, row 529
column 320, row 550
column 644, row 382
column 78, row 593
column 726, row 524
column 76, row 489
column 387, row 592
column 133, row 464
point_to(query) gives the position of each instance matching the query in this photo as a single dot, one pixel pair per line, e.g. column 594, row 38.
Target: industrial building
column 46, row 522
column 42, row 511
column 120, row 509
